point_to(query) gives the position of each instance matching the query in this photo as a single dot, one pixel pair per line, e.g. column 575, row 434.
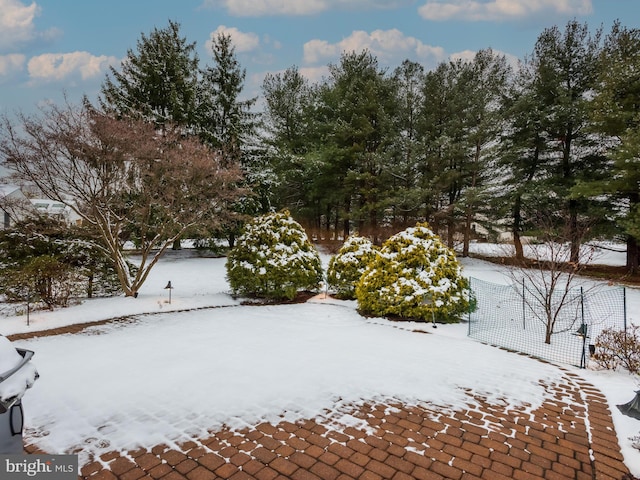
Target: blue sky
column 48, row 47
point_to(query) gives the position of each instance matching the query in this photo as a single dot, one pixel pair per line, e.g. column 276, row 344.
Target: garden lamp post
column 428, row 301
column 169, row 287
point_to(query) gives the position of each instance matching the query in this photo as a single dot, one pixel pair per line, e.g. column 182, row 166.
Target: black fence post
column 524, row 304
column 624, row 307
column 584, row 329
column 470, row 307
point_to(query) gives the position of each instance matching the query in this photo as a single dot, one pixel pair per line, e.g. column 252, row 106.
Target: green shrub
column 273, row 259
column 414, row 277
column 348, row 265
column 51, row 263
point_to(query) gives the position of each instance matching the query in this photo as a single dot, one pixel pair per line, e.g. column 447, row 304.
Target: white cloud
column 17, row 27
column 468, row 56
column 63, row 66
column 495, row 10
column 16, row 23
column 243, row 42
column 465, row 55
column 386, row 45
column 314, row 74
column 318, row 50
column 11, row 63
column 272, row 41
column 259, row 8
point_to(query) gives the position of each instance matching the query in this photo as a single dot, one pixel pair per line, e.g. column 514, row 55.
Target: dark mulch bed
column 77, row 328
column 70, row 329
column 300, row 298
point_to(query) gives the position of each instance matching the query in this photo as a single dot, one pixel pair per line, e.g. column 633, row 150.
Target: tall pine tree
column 227, row 124
column 355, row 107
column 565, row 66
column 406, row 196
column 288, row 99
column 616, row 113
column 157, row 82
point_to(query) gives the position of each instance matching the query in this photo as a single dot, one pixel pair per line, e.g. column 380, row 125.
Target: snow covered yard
column 164, row 377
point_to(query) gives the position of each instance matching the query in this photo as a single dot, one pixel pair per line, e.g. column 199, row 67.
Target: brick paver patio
column 398, row 441
column 570, row 436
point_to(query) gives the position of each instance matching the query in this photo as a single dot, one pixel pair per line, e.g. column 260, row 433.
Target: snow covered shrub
column 348, row 265
column 618, row 348
column 273, row 259
column 415, row 277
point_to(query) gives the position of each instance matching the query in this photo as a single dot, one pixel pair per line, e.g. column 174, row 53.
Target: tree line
column 551, row 142
column 172, row 149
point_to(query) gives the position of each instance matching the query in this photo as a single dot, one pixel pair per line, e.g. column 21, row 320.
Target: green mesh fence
column 559, row 328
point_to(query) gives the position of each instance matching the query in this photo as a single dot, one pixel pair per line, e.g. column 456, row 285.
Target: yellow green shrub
column 274, row 259
column 348, row 265
column 414, row 277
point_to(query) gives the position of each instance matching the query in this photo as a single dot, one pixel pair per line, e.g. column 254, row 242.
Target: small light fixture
column 582, row 333
column 632, row 408
column 428, row 301
column 169, row 287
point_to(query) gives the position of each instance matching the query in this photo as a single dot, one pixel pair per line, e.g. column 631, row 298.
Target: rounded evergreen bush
column 414, row 277
column 348, row 265
column 274, row 259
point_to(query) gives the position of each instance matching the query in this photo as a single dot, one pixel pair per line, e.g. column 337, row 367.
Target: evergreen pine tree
column 157, row 82
column 616, row 113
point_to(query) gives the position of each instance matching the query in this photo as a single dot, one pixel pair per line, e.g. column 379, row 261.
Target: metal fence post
column 584, row 329
column 624, row 307
column 524, row 304
column 470, row 307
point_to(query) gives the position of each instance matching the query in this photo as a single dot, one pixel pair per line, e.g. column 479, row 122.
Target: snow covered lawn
column 164, row 377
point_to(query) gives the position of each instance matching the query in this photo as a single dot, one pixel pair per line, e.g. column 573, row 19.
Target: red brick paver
column 570, row 436
column 565, row 438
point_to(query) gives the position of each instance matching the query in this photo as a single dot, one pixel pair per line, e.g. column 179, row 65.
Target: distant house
column 55, row 209
column 13, row 205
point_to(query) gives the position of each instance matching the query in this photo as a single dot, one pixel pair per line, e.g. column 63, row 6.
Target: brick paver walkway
column 571, row 436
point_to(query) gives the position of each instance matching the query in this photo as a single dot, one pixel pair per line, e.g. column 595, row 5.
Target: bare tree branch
column 130, row 182
column 549, row 277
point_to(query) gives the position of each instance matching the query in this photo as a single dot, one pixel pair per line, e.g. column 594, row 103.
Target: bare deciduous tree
column 124, row 178
column 549, row 277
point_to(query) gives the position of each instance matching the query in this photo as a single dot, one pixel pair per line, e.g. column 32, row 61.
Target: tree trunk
column 517, row 226
column 547, row 334
column 346, row 226
column 90, row 286
column 574, row 232
column 633, row 254
column 567, row 171
column 467, row 233
column 451, row 230
column 470, row 204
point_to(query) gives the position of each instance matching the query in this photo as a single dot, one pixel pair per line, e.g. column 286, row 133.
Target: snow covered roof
column 10, row 190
